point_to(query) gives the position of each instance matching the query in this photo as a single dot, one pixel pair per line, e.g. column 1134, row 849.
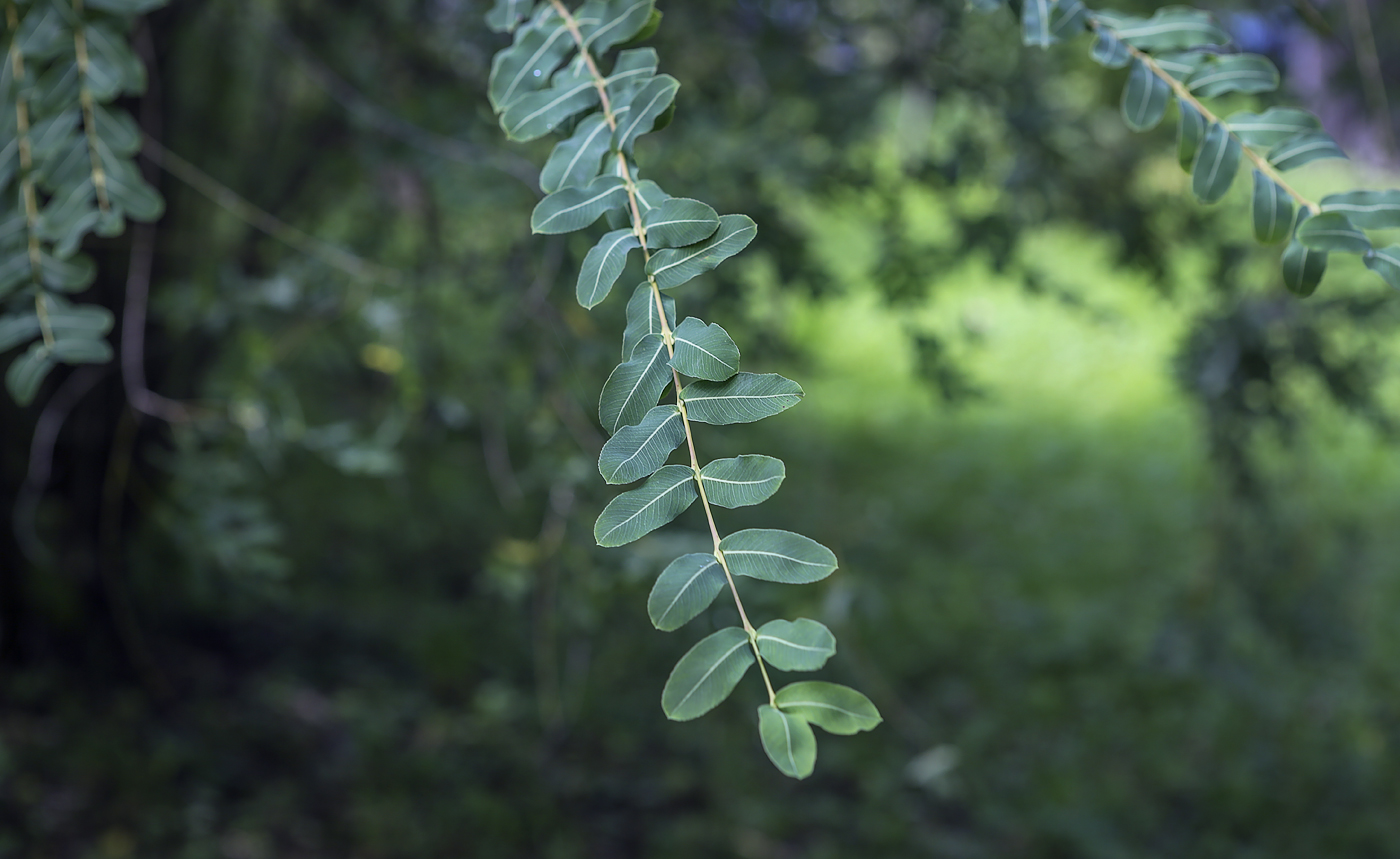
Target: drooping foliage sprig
column 66, row 170
column 1181, row 53
column 550, row 80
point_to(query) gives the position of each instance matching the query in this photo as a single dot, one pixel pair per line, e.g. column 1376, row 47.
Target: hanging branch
column 550, row 80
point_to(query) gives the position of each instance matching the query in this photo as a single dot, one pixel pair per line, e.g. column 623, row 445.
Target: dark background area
column 1116, row 513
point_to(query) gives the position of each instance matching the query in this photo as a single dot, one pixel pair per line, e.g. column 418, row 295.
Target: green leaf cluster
column 1181, row 53
column 66, row 170
column 550, row 80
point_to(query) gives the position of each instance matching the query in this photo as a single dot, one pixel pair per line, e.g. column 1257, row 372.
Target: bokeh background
column 1116, row 514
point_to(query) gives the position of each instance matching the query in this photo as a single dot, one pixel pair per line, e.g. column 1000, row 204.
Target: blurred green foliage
column 1116, row 514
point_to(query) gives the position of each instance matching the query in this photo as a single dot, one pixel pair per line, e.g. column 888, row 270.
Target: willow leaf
column 1263, row 130
column 777, row 556
column 1172, row 28
column 1273, row 210
column 1301, row 266
column 635, row 385
column 1370, row 210
column 1108, row 51
column 745, row 398
column 638, row 512
column 603, row 266
column 788, row 741
column 1244, row 73
column 1216, row 164
column 1144, row 98
column 684, row 589
column 707, row 674
column 800, row 645
column 835, row 708
column 637, row 451
column 526, row 66
column 1386, row 263
column 1331, row 231
column 648, row 104
column 678, row 222
column 577, row 160
column 1304, row 148
column 674, row 266
column 575, row 208
column 704, row 351
column 643, row 319
column 742, row 481
column 1191, row 129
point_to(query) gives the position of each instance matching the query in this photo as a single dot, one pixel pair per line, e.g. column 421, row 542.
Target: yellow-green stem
column 99, row 176
column 26, row 170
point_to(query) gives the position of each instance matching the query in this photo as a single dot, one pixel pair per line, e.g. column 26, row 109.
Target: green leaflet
column 1216, row 163
column 27, row 372
column 777, row 556
column 800, row 645
column 635, row 385
column 637, row 451
column 745, row 398
column 525, row 67
column 707, row 674
column 577, row 160
column 1180, row 66
column 835, row 708
column 742, row 481
column 1331, row 231
column 1246, row 73
column 630, row 72
column 1069, row 18
column 1035, row 23
column 1386, row 263
column 70, row 275
column 1144, row 98
column 672, row 267
column 678, row 222
column 504, row 15
column 66, row 321
column 1304, row 148
column 1273, row 211
column 1370, row 210
column 603, row 266
column 638, row 512
column 536, row 114
column 1302, row 267
column 704, row 351
column 685, row 588
column 1191, row 129
column 1263, row 130
column 575, row 208
column 788, row 741
column 621, row 20
column 643, row 319
column 1172, row 28
column 650, row 195
column 1108, row 51
column 648, row 104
